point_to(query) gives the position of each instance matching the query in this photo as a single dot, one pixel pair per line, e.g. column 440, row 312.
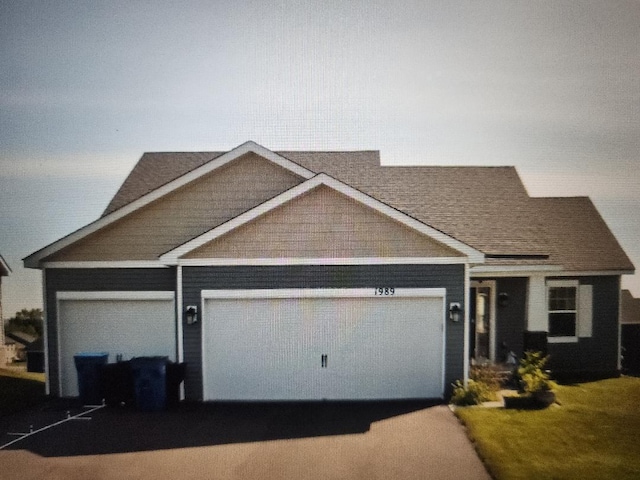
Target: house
column 630, row 333
column 20, row 342
column 324, row 275
column 5, row 352
column 35, row 356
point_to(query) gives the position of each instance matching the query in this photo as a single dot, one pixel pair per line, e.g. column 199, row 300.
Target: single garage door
column 323, row 344
column 129, row 323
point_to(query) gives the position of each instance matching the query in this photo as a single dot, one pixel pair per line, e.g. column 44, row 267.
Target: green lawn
column 20, row 390
column 594, row 433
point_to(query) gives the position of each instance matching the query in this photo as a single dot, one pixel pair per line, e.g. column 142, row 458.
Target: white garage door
column 323, row 344
column 129, row 323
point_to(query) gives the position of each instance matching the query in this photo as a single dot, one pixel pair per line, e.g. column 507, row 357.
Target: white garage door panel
column 256, row 349
column 388, row 348
column 127, row 327
column 271, row 348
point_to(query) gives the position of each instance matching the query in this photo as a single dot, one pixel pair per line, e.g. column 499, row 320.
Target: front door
column 482, row 317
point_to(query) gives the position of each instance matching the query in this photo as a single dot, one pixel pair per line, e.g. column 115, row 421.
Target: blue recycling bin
column 88, row 367
column 150, row 382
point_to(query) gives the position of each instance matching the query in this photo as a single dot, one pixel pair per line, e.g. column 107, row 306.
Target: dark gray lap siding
column 598, row 355
column 96, row 280
column 196, row 279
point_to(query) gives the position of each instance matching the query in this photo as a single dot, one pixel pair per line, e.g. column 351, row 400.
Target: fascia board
column 105, row 264
column 533, row 270
column 290, row 261
column 172, row 257
column 513, row 270
column 33, row 260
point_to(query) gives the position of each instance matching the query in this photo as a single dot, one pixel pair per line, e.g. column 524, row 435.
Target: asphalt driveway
column 362, row 440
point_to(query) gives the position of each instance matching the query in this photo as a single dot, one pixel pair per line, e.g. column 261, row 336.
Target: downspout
column 619, row 324
column 180, row 339
column 45, row 333
column 467, row 287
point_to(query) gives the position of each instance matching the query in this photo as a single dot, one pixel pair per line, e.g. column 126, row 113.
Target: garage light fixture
column 191, row 313
column 455, row 312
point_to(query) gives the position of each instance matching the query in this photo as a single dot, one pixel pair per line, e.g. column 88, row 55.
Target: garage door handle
column 323, row 361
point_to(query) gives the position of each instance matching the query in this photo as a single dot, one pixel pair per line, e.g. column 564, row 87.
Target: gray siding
column 94, row 280
column 196, row 279
column 598, row 355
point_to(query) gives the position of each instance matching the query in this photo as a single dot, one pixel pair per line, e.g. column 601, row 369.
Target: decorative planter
column 537, row 400
column 544, row 398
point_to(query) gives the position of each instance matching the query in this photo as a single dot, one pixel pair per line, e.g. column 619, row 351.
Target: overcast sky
column 86, row 87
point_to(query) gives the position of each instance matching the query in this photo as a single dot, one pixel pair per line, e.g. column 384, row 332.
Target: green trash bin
column 88, row 366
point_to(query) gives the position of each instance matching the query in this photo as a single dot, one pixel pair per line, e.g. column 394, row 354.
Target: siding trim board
column 197, row 262
column 320, row 293
column 116, row 295
column 111, row 264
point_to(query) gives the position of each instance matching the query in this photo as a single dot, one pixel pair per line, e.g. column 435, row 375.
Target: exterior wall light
column 503, row 299
column 455, row 312
column 191, row 313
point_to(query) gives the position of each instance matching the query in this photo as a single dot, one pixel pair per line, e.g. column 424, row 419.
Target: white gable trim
column 105, row 264
column 289, row 261
column 32, row 261
column 172, row 257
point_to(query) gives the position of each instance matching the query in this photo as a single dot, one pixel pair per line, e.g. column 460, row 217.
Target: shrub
column 531, row 374
column 475, row 393
column 488, row 375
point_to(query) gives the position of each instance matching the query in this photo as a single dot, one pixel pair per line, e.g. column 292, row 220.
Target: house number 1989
column 386, row 291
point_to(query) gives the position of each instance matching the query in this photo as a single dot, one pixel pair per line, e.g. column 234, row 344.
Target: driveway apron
column 378, row 440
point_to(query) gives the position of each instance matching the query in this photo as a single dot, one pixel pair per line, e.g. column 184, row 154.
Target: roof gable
column 164, row 191
column 576, row 236
column 439, row 241
column 323, row 223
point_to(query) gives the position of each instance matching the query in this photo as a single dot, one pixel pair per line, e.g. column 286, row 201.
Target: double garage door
column 323, row 344
column 132, row 324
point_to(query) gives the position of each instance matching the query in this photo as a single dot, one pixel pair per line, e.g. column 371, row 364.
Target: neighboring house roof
column 36, row 346
column 21, row 337
column 487, row 208
column 4, row 268
column 630, row 307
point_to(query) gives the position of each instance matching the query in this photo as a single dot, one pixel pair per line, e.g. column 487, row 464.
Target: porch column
column 537, row 320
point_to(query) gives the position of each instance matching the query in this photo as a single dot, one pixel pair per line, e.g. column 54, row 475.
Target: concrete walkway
column 264, row 441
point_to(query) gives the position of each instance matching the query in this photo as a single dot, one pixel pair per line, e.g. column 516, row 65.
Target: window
column 562, row 299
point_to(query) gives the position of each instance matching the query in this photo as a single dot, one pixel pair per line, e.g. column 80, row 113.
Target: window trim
column 559, row 284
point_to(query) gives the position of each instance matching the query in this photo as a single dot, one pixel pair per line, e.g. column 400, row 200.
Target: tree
column 27, row 321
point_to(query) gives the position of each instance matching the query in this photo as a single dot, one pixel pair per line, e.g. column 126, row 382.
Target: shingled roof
column 630, row 308
column 487, row 208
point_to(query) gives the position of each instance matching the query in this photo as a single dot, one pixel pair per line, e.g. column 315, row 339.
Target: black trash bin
column 117, row 384
column 88, row 366
column 150, row 382
column 175, row 376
